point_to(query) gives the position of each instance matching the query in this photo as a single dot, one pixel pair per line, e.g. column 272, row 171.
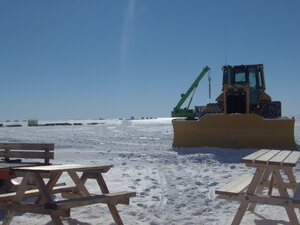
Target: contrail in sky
column 126, row 34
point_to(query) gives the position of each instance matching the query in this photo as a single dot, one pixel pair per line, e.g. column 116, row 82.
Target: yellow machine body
column 234, row 131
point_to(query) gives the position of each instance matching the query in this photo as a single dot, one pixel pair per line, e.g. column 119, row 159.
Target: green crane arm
column 192, row 88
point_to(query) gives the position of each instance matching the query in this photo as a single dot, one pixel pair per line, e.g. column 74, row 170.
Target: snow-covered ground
column 174, row 186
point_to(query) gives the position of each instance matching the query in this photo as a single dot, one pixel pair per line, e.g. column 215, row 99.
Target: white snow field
column 174, row 186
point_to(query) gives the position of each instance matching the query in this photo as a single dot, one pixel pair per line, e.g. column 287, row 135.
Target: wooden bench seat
column 109, row 198
column 28, row 207
column 62, row 208
column 35, row 192
column 235, row 187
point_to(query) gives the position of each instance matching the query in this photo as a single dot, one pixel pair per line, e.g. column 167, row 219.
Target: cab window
column 259, row 79
column 252, row 78
column 240, row 77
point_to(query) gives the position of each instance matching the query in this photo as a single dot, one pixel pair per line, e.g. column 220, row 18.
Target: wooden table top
column 65, row 167
column 273, row 157
column 6, row 165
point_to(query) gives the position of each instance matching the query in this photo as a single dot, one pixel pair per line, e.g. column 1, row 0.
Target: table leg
column 19, row 196
column 112, row 208
column 83, row 178
column 291, row 177
column 283, row 193
column 260, row 188
column 45, row 194
column 53, row 180
column 271, row 186
column 251, row 189
column 50, row 184
column 79, row 184
column 240, row 213
column 56, row 220
column 102, row 184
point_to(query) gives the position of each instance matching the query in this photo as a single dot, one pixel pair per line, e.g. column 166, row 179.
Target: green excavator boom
column 186, row 112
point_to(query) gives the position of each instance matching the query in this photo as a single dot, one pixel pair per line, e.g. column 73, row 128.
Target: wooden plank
column 112, row 208
column 102, row 184
column 50, row 184
column 283, row 193
column 264, row 159
column 56, row 220
column 259, row 189
column 28, row 146
column 22, row 174
column 279, row 158
column 261, row 199
column 53, row 180
column 22, row 164
column 292, row 159
column 27, row 155
column 114, row 212
column 291, row 177
column 33, row 208
column 236, row 186
column 255, row 181
column 35, row 192
column 250, row 158
column 17, row 198
column 44, row 192
column 81, row 188
column 70, row 195
column 104, row 198
column 66, row 167
column 240, row 213
column 73, row 195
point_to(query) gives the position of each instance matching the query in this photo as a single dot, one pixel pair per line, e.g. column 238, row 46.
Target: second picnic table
column 76, row 195
column 271, row 166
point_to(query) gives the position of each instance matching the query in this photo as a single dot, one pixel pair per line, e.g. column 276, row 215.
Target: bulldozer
column 243, row 116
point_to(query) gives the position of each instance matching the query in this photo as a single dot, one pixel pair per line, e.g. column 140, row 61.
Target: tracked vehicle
column 243, row 116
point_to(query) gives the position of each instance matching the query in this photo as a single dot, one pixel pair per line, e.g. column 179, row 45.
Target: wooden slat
column 35, row 192
column 28, row 146
column 236, row 186
column 283, row 193
column 264, row 159
column 66, row 167
column 104, row 198
column 73, row 195
column 292, row 159
column 22, row 164
column 81, row 188
column 250, row 158
column 27, row 155
column 279, row 158
column 33, row 208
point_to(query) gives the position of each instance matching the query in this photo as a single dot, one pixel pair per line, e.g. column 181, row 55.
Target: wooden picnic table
column 274, row 169
column 75, row 196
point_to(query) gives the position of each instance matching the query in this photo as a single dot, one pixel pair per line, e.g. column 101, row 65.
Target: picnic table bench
column 44, row 177
column 43, row 151
column 74, row 196
column 272, row 166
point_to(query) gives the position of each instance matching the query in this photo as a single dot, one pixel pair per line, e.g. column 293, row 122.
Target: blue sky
column 75, row 59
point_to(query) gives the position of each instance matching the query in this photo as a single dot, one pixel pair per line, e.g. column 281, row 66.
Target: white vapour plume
column 128, row 23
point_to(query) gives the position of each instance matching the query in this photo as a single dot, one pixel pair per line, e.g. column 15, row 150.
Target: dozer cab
column 244, row 116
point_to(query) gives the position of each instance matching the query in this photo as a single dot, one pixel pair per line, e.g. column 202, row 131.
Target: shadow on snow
column 223, row 155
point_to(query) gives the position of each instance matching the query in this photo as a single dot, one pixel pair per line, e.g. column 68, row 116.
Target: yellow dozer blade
column 234, row 131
